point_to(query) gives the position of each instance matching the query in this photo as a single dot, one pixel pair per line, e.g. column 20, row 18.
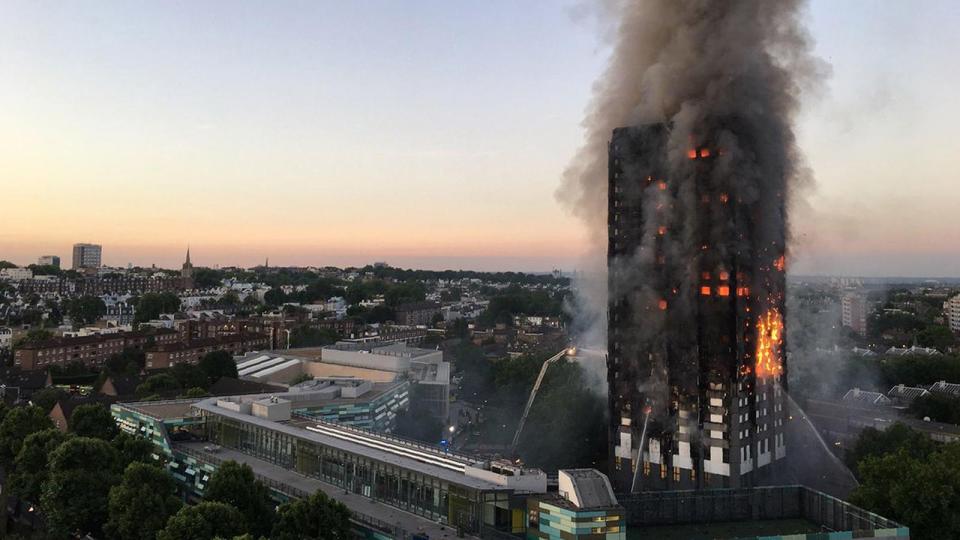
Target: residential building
column 62, row 412
column 87, row 256
column 6, row 337
column 91, row 350
column 951, row 312
column 49, row 260
column 904, row 395
column 416, row 313
column 854, row 312
column 866, row 397
column 584, row 508
column 16, row 274
column 944, row 388
column 695, row 357
column 165, row 355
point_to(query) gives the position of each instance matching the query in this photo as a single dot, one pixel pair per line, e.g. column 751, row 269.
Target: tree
column 126, row 362
column 160, row 383
column 205, row 278
column 189, row 375
column 307, row 336
column 274, row 297
column 204, row 521
column 33, row 337
column 938, row 337
column 132, row 449
column 74, row 497
column 140, row 505
column 921, row 492
column 317, row 518
column 875, row 443
column 16, row 425
column 31, row 465
column 7, row 264
column 196, row 392
column 217, row 364
column 86, row 309
column 235, row 484
column 93, row 420
column 152, row 305
column 47, row 398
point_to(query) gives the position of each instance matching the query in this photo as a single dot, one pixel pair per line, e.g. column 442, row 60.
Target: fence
column 749, row 504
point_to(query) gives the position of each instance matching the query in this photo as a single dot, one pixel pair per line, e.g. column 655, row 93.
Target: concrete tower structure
column 695, row 330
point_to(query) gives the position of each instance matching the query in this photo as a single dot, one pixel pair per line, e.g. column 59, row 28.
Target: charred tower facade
column 695, row 364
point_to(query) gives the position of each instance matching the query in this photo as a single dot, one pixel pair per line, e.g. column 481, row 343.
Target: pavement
column 358, row 504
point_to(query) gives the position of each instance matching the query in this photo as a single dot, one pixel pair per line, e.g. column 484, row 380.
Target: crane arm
column 533, row 395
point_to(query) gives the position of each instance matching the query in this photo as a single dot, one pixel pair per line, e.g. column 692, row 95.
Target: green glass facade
column 415, row 492
column 378, row 414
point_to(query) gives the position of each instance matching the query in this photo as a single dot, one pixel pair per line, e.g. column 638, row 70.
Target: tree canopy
column 30, row 469
column 17, row 424
column 235, row 484
column 86, row 309
column 316, row 518
column 152, row 305
column 217, row 364
column 204, row 521
column 74, row 498
column 140, row 505
column 93, row 420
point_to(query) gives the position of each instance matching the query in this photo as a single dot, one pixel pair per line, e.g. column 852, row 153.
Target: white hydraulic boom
column 533, row 394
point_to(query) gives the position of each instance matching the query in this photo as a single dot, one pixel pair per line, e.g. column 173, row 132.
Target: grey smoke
column 686, row 62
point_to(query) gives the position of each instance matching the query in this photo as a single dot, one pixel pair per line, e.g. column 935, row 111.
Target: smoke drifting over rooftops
column 725, row 74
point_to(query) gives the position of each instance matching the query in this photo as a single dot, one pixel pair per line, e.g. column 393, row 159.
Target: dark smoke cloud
column 686, row 63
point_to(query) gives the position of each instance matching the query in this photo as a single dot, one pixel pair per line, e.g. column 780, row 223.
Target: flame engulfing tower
column 695, row 331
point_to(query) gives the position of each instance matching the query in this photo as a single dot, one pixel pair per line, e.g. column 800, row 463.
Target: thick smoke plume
column 688, row 63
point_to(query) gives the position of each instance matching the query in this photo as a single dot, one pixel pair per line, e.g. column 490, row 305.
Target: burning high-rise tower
column 696, row 304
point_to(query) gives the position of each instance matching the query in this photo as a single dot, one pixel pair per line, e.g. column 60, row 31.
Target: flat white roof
column 252, row 361
column 276, row 368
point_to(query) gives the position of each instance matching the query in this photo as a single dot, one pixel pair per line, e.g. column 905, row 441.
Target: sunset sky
column 424, row 133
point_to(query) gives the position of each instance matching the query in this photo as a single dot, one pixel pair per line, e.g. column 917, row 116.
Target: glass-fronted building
column 445, row 488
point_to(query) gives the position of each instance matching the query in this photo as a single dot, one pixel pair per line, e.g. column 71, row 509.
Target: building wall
column 854, row 313
column 559, row 523
column 951, row 311
column 683, row 345
column 90, row 350
column 86, row 256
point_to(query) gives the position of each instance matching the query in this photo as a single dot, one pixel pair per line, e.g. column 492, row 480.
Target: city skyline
column 429, row 136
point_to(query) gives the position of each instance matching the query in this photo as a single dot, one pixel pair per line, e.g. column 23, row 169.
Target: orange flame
column 692, row 153
column 780, row 263
column 769, row 344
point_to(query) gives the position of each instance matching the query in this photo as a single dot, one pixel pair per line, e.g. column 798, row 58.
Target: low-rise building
column 418, row 488
column 190, row 352
column 416, row 313
column 49, row 260
column 92, row 350
column 425, row 367
column 16, row 274
column 585, row 507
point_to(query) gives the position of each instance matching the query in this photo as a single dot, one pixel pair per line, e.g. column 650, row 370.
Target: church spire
column 188, row 253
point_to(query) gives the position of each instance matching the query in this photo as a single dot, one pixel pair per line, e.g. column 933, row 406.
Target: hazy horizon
column 430, row 135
